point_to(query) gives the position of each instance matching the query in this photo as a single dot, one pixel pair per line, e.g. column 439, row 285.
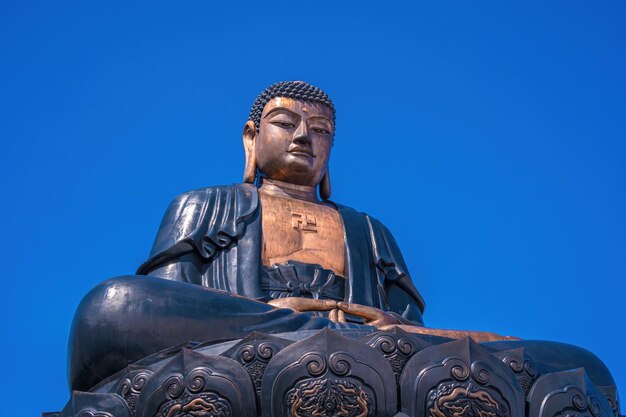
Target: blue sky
column 488, row 136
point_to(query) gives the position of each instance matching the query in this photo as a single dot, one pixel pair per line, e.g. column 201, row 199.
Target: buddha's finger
column 303, row 304
column 341, row 316
column 284, row 303
column 332, row 316
column 369, row 313
column 310, row 304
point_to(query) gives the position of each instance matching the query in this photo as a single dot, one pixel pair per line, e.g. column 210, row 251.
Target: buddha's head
column 289, row 135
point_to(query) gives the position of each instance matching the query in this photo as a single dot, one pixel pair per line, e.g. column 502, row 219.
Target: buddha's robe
column 212, row 237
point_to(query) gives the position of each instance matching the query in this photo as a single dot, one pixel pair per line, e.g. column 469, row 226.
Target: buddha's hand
column 304, row 304
column 373, row 316
column 309, row 304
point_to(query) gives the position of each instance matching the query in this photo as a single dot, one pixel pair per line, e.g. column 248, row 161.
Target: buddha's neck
column 285, row 189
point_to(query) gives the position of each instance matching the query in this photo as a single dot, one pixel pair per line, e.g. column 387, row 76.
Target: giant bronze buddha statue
column 272, row 255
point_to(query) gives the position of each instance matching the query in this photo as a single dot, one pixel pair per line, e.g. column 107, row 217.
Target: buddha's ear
column 325, row 186
column 249, row 136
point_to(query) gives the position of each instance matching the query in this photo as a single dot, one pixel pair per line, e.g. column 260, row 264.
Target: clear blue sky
column 488, row 136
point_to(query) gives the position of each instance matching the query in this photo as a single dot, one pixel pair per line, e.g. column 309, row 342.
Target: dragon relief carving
column 463, row 400
column 328, row 397
column 206, row 404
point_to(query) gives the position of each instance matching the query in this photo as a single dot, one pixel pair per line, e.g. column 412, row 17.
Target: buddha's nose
column 301, row 135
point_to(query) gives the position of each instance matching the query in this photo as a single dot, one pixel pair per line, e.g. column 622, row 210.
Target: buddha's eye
column 321, row 131
column 284, row 125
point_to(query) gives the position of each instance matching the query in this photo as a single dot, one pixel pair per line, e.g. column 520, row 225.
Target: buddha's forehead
column 300, row 107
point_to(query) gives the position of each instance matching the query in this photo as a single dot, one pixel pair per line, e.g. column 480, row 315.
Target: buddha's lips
column 300, row 150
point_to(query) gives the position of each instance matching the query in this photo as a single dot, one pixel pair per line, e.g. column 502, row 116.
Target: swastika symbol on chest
column 304, row 222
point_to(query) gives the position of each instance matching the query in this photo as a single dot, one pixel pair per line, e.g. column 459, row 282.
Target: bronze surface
column 297, row 230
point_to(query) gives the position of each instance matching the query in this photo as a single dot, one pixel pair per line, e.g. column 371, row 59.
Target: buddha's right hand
column 373, row 316
column 309, row 304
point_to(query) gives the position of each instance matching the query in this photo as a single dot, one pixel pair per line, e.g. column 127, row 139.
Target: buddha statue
column 273, row 254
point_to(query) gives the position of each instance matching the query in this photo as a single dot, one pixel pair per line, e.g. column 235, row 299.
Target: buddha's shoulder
column 218, row 193
column 238, row 199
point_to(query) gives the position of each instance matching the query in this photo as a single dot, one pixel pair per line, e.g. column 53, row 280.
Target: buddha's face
column 294, row 140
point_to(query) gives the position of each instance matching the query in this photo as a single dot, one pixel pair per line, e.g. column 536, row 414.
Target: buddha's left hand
column 373, row 316
column 335, row 314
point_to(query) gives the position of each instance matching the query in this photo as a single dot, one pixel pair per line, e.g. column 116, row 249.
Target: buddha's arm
column 187, row 268
column 402, row 297
column 196, row 227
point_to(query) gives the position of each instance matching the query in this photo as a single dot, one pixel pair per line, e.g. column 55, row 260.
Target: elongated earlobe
column 249, row 173
column 325, row 186
column 249, row 135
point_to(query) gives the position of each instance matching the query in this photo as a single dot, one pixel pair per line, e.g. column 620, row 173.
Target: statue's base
column 343, row 373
